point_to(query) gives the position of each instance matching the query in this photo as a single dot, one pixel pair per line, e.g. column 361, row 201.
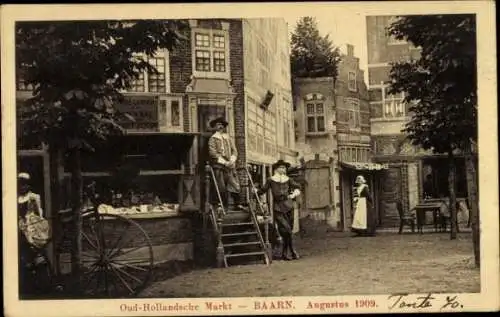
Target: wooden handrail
column 216, row 218
column 265, row 239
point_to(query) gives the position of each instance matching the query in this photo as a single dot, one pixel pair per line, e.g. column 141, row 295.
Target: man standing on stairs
column 223, row 155
column 284, row 190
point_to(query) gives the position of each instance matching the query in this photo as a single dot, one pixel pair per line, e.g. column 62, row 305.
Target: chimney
column 350, row 50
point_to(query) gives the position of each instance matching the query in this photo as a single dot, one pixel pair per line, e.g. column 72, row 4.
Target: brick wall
column 180, row 65
column 379, row 51
column 180, row 72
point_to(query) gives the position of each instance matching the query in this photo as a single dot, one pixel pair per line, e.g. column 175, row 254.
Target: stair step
column 234, row 255
column 247, row 233
column 232, row 224
column 238, row 244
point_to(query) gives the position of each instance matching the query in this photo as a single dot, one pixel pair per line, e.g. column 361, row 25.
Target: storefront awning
column 364, row 166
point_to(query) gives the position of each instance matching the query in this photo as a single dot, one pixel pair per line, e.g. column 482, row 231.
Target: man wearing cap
column 284, row 190
column 223, row 155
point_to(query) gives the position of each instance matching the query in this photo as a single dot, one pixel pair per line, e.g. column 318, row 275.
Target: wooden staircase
column 238, row 234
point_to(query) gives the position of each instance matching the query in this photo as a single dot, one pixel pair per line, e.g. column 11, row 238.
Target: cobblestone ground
column 338, row 264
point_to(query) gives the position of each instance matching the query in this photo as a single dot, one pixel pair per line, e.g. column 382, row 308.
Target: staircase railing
column 265, row 213
column 216, row 214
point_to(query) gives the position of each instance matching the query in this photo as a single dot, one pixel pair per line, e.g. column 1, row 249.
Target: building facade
column 409, row 166
column 353, row 129
column 235, row 68
column 333, row 129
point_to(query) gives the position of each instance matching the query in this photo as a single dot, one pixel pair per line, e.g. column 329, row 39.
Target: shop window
column 210, row 51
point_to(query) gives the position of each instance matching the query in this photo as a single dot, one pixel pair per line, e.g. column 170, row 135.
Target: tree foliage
column 312, row 55
column 78, row 70
column 441, row 89
column 441, row 84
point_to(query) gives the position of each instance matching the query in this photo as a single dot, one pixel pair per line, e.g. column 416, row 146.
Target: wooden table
column 422, row 208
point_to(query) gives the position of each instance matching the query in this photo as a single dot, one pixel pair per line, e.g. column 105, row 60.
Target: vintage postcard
column 249, row 159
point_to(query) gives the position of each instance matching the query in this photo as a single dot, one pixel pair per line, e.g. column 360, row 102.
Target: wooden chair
column 407, row 218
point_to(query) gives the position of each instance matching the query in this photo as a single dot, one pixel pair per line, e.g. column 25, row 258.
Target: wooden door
column 318, row 187
column 390, row 193
column 206, row 113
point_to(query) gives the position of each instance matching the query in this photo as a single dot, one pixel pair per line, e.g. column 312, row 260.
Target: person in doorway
column 428, row 187
column 223, row 155
column 284, row 190
column 363, row 223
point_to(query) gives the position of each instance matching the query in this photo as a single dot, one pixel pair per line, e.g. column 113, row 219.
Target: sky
column 344, row 27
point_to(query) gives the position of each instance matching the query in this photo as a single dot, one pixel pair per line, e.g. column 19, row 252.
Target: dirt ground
column 338, row 264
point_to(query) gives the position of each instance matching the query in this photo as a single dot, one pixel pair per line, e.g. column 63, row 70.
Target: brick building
column 237, row 68
column 333, row 136
column 409, row 166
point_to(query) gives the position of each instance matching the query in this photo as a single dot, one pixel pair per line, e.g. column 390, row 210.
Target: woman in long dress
column 284, row 191
column 363, row 223
column 31, row 260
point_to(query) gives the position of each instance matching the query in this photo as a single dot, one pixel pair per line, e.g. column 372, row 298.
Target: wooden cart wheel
column 117, row 256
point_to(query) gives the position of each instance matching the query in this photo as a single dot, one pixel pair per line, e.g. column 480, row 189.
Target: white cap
column 25, row 176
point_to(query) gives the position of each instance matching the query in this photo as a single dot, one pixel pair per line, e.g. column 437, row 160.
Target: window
column 219, row 61
column 203, row 61
column 138, row 85
column 351, row 106
column 202, row 40
column 219, row 41
column 153, row 82
column 157, row 81
column 170, row 114
column 287, row 123
column 315, row 114
column 393, row 105
column 210, row 48
column 354, row 154
column 351, row 81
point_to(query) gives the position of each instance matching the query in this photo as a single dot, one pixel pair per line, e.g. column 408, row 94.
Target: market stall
column 146, row 177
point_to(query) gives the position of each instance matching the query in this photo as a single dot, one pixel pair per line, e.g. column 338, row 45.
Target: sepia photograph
column 208, row 159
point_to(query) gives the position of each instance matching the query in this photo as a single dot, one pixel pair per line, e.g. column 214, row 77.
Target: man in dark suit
column 223, row 155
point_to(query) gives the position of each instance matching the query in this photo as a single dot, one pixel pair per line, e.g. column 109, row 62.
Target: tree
column 312, row 55
column 441, row 89
column 78, row 70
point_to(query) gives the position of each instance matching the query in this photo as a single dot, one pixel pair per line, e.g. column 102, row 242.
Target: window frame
column 211, row 49
column 315, row 115
column 351, row 87
column 163, row 54
column 393, row 104
column 165, row 117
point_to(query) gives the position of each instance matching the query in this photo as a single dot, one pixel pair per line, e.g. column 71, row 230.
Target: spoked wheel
column 117, row 256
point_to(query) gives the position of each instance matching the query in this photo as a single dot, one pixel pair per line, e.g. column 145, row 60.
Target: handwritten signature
column 401, row 301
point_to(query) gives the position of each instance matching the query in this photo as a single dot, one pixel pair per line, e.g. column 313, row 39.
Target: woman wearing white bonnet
column 363, row 223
